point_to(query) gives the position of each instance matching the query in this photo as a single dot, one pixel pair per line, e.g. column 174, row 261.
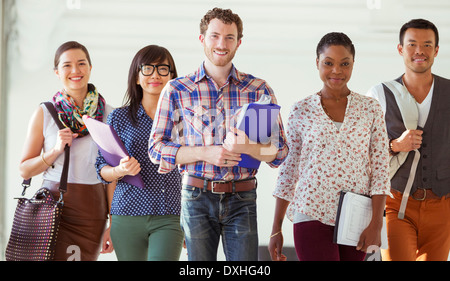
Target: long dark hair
column 146, row 55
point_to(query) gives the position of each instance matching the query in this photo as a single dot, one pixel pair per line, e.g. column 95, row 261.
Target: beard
column 219, row 60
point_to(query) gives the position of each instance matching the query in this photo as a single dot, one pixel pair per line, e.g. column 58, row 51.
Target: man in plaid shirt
column 195, row 128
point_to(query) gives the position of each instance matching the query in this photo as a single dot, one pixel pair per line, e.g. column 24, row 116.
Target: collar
column 140, row 112
column 234, row 75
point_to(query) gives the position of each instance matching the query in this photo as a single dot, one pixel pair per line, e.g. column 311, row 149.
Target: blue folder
column 257, row 121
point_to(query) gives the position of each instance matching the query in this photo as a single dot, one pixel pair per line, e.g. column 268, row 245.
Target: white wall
column 279, row 43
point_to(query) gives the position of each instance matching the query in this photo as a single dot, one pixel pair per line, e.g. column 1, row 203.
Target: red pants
column 314, row 242
column 424, row 233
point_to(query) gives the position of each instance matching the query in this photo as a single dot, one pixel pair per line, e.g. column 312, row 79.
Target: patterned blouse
column 324, row 160
column 162, row 192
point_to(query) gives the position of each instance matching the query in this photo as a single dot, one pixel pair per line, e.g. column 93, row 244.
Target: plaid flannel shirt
column 194, row 111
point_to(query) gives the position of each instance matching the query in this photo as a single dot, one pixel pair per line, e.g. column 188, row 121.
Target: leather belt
column 220, row 187
column 421, row 194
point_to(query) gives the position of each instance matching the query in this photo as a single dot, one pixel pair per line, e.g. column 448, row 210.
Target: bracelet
column 273, row 235
column 45, row 162
column 391, row 152
column 113, row 172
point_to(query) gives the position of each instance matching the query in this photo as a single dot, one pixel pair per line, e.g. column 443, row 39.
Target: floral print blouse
column 324, row 160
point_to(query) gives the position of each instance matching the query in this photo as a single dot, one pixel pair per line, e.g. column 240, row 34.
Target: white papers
column 263, row 100
column 354, row 215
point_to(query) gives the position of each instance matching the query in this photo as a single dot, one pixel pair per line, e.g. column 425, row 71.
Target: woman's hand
column 128, row 166
column 107, row 245
column 65, row 137
column 276, row 247
column 371, row 236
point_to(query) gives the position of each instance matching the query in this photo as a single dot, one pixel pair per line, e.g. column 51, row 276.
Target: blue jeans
column 206, row 216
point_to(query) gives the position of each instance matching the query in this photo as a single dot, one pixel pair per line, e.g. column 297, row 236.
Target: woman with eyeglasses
column 84, row 215
column 145, row 222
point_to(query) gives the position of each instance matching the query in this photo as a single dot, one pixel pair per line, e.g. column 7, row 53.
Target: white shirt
column 83, row 154
column 377, row 92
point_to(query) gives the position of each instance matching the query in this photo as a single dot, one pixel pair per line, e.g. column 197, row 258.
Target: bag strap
column 406, row 103
column 408, row 109
column 64, row 175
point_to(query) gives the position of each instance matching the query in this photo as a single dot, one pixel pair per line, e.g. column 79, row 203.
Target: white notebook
column 353, row 216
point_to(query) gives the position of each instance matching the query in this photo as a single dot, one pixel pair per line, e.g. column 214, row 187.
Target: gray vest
column 433, row 170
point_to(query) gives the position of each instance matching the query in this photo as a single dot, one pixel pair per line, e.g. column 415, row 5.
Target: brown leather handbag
column 36, row 220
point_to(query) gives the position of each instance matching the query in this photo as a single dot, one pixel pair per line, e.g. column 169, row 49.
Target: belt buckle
column 424, row 195
column 213, row 183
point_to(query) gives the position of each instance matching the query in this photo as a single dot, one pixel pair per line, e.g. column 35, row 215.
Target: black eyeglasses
column 148, row 69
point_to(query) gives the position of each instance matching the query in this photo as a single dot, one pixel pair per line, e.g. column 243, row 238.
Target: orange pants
column 424, row 233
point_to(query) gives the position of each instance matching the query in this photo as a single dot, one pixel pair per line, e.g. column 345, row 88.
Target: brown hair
column 226, row 16
column 68, row 46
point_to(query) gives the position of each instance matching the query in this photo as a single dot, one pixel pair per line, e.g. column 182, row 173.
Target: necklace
column 325, row 108
column 334, row 98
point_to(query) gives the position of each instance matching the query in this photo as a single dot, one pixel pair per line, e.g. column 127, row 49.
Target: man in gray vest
column 417, row 112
